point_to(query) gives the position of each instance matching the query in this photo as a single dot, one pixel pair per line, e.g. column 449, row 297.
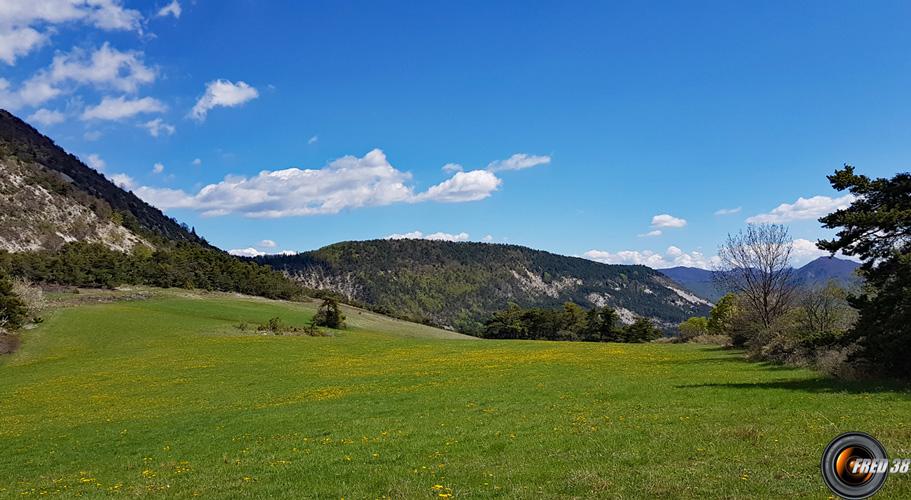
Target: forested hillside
column 460, row 285
column 49, row 197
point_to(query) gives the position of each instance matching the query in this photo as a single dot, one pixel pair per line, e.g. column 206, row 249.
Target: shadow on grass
column 816, row 385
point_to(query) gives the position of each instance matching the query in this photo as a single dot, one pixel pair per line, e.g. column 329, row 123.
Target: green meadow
column 117, row 394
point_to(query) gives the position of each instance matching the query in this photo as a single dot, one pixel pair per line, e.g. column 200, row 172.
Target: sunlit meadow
column 161, row 395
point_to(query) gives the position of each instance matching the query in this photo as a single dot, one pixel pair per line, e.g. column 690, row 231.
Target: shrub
column 693, row 327
column 32, row 298
column 722, row 340
column 13, row 312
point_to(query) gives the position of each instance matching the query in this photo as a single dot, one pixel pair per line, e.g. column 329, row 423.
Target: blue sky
column 567, row 126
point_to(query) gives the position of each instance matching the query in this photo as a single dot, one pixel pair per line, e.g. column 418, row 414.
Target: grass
column 165, row 397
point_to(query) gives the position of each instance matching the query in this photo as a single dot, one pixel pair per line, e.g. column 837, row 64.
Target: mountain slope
column 818, row 272
column 82, row 204
column 461, row 284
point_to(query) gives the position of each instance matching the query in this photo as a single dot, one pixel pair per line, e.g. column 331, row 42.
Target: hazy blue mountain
column 817, row 272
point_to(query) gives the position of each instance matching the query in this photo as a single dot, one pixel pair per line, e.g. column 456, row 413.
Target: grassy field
column 164, row 396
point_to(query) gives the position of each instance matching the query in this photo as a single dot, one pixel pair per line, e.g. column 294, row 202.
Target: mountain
column 818, row 272
column 825, row 269
column 48, row 197
column 460, row 284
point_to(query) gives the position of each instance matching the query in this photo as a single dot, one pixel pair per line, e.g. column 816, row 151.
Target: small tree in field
column 756, row 266
column 330, row 315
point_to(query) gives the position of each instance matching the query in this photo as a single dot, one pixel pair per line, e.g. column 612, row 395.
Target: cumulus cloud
column 95, row 161
column 267, row 244
column 246, row 252
column 667, row 221
column 463, row 186
column 158, row 127
column 418, row 235
column 105, row 69
column 222, row 93
column 196, row 162
column 728, row 211
column 19, row 41
column 488, row 238
column 46, row 117
column 118, row 108
column 123, row 181
column 21, row 20
column 171, row 9
column 518, row 161
column 802, row 209
column 451, row 168
column 671, row 257
column 158, row 168
column 346, row 183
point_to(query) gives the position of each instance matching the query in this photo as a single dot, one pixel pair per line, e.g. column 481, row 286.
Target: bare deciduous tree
column 756, row 264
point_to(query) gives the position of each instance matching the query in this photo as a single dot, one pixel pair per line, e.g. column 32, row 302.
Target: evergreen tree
column 877, row 228
column 330, row 315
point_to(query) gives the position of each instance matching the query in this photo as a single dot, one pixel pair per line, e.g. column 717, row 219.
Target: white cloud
column 346, row 183
column 518, row 161
column 667, row 221
column 487, row 239
column 19, row 41
column 123, row 181
column 106, row 67
column 463, row 186
column 313, row 140
column 418, row 235
column 651, row 234
column 728, row 211
column 672, row 257
column 196, row 162
column 451, row 168
column 91, row 135
column 111, row 108
column 158, row 126
column 95, row 161
column 158, row 168
column 802, row 209
column 171, row 9
column 46, row 117
column 267, row 244
column 222, row 93
column 21, row 20
column 246, row 252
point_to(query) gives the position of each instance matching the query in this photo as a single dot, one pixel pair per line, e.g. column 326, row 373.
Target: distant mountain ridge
column 48, row 197
column 818, row 272
column 460, row 285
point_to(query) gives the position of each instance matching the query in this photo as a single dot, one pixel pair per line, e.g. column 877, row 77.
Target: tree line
column 571, row 322
column 846, row 332
column 176, row 265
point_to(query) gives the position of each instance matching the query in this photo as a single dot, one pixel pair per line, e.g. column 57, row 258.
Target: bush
column 693, row 327
column 32, row 298
column 13, row 312
column 722, row 340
